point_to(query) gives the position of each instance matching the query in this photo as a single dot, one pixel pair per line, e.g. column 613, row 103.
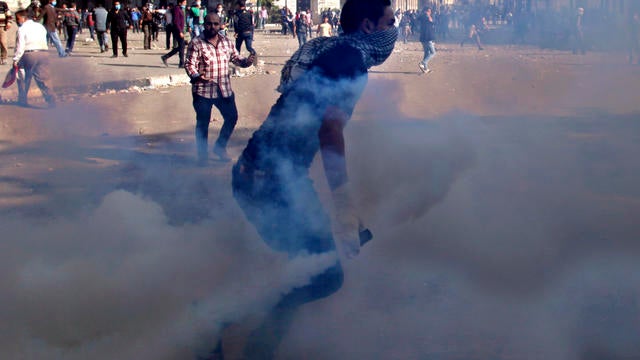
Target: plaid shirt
column 212, row 62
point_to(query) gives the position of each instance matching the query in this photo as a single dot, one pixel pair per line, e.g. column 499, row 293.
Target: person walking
column 168, row 26
column 325, row 29
column 207, row 64
column 118, row 22
column 51, row 23
column 100, row 14
column 71, row 23
column 320, row 86
column 427, row 38
column 178, row 29
column 578, row 33
column 146, row 19
column 31, row 55
column 634, row 37
column 5, row 24
column 264, row 15
column 195, row 18
column 301, row 27
column 244, row 27
column 91, row 24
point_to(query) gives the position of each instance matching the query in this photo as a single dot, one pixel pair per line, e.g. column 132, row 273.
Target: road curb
column 102, row 87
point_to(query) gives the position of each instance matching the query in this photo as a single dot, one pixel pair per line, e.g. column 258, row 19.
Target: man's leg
column 73, row 31
column 229, row 112
column 239, row 40
column 100, row 35
column 53, row 35
column 114, row 43
column 167, row 32
column 296, row 225
column 146, row 30
column 429, row 53
column 123, row 40
column 3, row 46
column 40, row 71
column 202, row 106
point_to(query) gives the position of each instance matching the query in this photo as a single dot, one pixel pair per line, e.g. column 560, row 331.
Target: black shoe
column 180, row 66
column 222, row 153
column 125, row 55
column 164, row 61
column 114, row 56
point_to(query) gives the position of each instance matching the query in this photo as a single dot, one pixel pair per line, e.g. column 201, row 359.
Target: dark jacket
column 178, row 19
column 119, row 21
column 427, row 29
column 244, row 21
column 50, row 18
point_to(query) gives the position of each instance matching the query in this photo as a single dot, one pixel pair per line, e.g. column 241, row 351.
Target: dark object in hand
column 365, row 236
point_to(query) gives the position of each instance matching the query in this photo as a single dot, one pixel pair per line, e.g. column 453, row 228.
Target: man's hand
column 181, row 35
column 346, row 224
column 251, row 59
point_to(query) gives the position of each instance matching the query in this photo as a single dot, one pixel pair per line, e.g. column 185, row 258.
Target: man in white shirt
column 31, row 55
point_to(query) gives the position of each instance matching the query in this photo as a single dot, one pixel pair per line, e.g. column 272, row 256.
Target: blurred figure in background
column 578, row 33
column 634, row 37
column 5, row 24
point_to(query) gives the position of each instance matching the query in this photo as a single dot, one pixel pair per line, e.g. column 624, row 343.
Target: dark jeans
column 72, row 31
column 247, row 37
column 178, row 49
column 289, row 217
column 168, row 29
column 122, row 35
column 229, row 112
column 102, row 39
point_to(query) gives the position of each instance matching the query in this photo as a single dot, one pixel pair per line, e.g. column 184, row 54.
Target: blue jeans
column 247, row 37
column 429, row 53
column 302, row 38
column 55, row 40
column 289, row 217
column 229, row 112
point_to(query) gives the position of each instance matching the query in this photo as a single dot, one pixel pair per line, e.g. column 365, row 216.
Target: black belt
column 29, row 51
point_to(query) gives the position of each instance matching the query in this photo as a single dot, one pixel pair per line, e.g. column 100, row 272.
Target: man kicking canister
column 319, row 87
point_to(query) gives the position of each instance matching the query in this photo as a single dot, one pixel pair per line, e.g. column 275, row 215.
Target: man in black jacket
column 427, row 38
column 118, row 21
column 244, row 27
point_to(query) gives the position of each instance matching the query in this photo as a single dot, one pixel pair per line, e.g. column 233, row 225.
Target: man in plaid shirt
column 207, row 65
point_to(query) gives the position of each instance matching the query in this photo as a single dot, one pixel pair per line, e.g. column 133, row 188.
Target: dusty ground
column 501, row 189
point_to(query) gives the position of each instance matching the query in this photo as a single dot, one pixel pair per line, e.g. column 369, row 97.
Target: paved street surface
column 501, row 190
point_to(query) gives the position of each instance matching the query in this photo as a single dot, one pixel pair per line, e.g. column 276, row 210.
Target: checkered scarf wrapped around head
column 374, row 47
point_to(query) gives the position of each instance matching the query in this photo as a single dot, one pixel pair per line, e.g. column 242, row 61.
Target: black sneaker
column 164, row 61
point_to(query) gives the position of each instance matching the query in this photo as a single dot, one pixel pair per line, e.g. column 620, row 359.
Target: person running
column 320, row 86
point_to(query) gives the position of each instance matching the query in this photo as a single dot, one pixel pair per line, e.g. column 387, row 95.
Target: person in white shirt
column 31, row 55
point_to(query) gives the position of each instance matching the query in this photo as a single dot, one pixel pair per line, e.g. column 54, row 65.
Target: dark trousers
column 122, row 35
column 36, row 67
column 289, row 217
column 72, row 31
column 229, row 112
column 247, row 37
column 168, row 29
column 146, row 29
column 102, row 40
column 178, row 49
